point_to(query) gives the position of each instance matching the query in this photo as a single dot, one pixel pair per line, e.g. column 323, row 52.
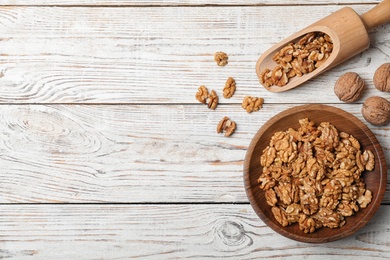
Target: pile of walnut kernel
column 296, row 59
column 312, row 176
column 250, row 104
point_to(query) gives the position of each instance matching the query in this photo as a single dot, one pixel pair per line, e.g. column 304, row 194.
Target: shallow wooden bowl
column 343, row 121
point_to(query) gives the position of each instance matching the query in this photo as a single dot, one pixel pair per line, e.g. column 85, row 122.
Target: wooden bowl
column 375, row 180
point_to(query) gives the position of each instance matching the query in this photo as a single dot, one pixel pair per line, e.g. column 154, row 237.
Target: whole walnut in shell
column 376, row 110
column 349, row 87
column 382, row 77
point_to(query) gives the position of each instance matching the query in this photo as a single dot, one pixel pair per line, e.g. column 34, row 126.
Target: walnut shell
column 349, row 87
column 382, row 77
column 376, row 110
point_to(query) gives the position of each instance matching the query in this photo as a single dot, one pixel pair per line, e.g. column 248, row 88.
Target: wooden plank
column 174, row 3
column 129, row 153
column 168, row 232
column 143, row 55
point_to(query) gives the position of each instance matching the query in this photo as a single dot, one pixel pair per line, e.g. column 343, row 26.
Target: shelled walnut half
column 221, row 58
column 230, row 88
column 251, row 104
column 226, row 125
column 203, row 96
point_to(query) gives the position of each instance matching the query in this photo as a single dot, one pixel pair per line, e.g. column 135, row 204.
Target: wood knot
column 231, row 233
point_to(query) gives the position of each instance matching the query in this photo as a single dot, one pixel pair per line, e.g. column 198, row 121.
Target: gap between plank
column 181, row 5
column 139, row 203
column 129, row 203
column 151, row 104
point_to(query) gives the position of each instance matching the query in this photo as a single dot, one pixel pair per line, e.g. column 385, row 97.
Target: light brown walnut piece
column 329, row 218
column 279, row 76
column 369, row 160
column 332, row 195
column 266, row 78
column 270, row 197
column 347, row 208
column 226, row 125
column 309, row 203
column 293, row 212
column 213, row 100
column 266, row 182
column 313, row 176
column 349, row 87
column 221, row 58
column 286, row 192
column 382, row 77
column 251, row 104
column 268, row 156
column 329, row 137
column 280, row 216
column 230, row 88
column 307, row 224
column 376, row 110
column 202, row 94
column 365, row 199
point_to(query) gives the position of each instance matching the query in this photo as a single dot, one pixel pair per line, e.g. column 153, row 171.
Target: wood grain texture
column 130, row 153
column 143, row 55
column 168, row 232
column 128, row 128
column 174, row 2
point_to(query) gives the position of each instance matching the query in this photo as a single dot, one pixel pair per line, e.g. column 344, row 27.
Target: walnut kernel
column 349, row 87
column 230, row 88
column 221, row 58
column 251, row 104
column 213, row 100
column 202, row 94
column 226, row 125
column 376, row 110
column 382, row 77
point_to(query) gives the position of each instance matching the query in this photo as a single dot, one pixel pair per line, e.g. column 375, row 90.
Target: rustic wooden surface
column 106, row 154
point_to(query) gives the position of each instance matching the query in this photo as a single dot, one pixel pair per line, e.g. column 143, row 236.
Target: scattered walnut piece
column 213, row 100
column 376, row 110
column 202, row 94
column 349, row 87
column 382, row 77
column 312, row 176
column 230, row 88
column 296, row 59
column 221, row 58
column 251, row 104
column 226, row 125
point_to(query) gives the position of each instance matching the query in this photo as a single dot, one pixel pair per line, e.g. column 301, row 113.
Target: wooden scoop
column 348, row 32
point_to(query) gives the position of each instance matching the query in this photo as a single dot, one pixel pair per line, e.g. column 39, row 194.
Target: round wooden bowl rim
column 325, row 108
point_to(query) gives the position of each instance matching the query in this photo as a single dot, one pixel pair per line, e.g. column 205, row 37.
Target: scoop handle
column 377, row 16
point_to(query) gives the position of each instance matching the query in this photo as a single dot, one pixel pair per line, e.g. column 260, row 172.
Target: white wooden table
column 106, row 154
